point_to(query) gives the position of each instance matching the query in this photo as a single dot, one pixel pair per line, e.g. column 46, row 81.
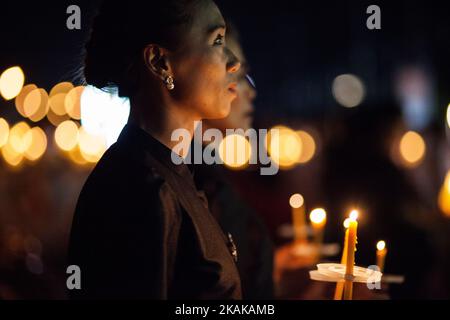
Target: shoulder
column 124, row 183
column 123, row 167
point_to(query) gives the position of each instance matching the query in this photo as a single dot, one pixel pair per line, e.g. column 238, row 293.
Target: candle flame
column 381, row 245
column 317, row 215
column 346, row 223
column 354, row 215
column 296, row 200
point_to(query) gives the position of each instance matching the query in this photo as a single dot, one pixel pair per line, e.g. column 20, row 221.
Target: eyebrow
column 215, row 27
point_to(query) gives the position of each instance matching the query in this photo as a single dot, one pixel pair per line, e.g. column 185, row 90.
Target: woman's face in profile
column 204, row 69
column 241, row 114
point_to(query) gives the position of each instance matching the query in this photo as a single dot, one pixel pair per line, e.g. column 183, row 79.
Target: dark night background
column 295, row 50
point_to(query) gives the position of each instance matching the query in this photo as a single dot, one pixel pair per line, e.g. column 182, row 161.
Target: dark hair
column 122, row 29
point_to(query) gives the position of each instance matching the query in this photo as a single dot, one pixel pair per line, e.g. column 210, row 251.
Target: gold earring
column 169, row 83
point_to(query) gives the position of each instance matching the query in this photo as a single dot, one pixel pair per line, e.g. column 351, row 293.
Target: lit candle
column 298, row 217
column 318, row 219
column 340, row 285
column 381, row 254
column 350, row 259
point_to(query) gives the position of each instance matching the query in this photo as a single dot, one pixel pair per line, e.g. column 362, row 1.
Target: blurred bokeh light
column 412, row 148
column 72, row 102
column 11, row 82
column 20, row 99
column 296, row 200
column 348, row 90
column 444, row 196
column 103, row 113
column 284, row 146
column 92, row 146
column 308, row 146
column 38, row 143
column 448, row 116
column 235, row 151
column 4, row 132
column 36, row 104
column 66, row 135
column 318, row 215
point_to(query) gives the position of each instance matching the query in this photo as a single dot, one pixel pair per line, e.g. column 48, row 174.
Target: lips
column 233, row 88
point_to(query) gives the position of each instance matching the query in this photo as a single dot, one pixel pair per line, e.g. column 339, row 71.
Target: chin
column 223, row 112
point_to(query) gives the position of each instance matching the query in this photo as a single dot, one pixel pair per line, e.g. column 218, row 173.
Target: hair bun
column 120, row 30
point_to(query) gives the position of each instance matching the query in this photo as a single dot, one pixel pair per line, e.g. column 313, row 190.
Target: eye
column 219, row 40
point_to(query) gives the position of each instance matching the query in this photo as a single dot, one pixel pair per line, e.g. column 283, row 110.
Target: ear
column 156, row 60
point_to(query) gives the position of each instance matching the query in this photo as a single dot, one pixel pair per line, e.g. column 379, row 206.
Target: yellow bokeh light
column 296, row 200
column 20, row 99
column 72, row 102
column 381, row 245
column 38, row 143
column 18, row 142
column 56, row 103
column 308, row 146
column 444, row 196
column 448, row 115
column 11, row 156
column 11, row 82
column 4, row 132
column 62, row 87
column 66, row 135
column 235, row 151
column 91, row 158
column 284, row 146
column 91, row 146
column 32, row 102
column 412, row 148
column 55, row 119
column 76, row 156
column 18, row 139
column 36, row 104
column 318, row 216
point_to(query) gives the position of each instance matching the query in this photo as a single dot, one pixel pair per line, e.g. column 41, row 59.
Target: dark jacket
column 254, row 246
column 142, row 230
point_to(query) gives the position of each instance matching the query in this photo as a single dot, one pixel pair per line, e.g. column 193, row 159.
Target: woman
column 141, row 229
column 254, row 246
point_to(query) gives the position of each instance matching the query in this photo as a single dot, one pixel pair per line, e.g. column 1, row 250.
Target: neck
column 160, row 117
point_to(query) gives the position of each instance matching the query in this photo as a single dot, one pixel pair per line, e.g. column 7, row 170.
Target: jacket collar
column 133, row 134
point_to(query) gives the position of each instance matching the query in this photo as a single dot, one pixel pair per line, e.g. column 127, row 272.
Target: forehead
column 206, row 19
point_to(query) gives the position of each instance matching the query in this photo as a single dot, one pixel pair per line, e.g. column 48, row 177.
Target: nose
column 251, row 93
column 233, row 64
